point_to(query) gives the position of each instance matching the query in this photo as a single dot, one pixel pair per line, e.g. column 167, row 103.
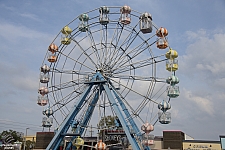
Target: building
column 43, row 139
column 171, row 139
column 158, row 142
column 31, row 138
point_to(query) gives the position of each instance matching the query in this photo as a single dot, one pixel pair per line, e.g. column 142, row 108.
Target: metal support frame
column 87, row 117
column 54, row 144
column 130, row 119
column 99, row 80
column 126, row 128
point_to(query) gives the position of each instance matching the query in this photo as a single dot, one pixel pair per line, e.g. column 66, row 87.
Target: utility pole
column 91, row 131
column 24, row 147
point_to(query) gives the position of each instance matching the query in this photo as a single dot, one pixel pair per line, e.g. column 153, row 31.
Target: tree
column 11, row 136
column 30, row 144
column 107, row 122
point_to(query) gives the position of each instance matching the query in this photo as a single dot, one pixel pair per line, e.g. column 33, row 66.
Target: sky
column 196, row 31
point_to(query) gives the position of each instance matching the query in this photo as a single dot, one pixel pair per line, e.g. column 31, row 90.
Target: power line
column 14, row 125
column 18, row 122
column 11, row 128
column 19, row 127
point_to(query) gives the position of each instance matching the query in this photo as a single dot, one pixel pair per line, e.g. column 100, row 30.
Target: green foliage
column 30, row 144
column 17, row 136
column 107, row 122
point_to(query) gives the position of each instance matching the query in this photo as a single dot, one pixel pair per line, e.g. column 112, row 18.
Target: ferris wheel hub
column 105, row 70
column 99, row 70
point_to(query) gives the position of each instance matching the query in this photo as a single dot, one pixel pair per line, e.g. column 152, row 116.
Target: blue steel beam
column 133, row 124
column 125, row 110
column 89, row 113
column 132, row 141
column 87, row 117
column 54, row 144
column 58, row 137
column 94, row 81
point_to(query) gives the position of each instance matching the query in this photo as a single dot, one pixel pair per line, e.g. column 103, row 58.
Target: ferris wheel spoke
column 136, row 65
column 78, row 62
column 134, row 114
column 144, row 103
column 144, row 96
column 141, row 48
column 106, row 50
column 85, row 54
column 133, row 77
column 125, row 44
column 86, row 73
column 148, row 94
column 65, row 98
column 118, row 32
column 133, row 53
column 55, row 120
column 68, row 99
column 65, row 85
column 103, row 40
column 115, row 38
column 93, row 46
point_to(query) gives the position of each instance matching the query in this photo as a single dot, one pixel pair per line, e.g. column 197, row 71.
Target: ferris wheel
column 106, row 63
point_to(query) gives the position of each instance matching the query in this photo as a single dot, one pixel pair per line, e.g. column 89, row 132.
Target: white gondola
column 45, row 69
column 83, row 26
column 48, row 112
column 44, row 78
column 42, row 100
column 173, row 91
column 104, row 18
column 47, row 122
column 164, row 117
column 146, row 23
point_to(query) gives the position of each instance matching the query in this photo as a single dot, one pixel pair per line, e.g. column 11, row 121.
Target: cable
column 13, row 128
column 17, row 122
column 13, row 125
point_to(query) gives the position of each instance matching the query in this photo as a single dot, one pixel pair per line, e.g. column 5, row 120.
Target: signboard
column 15, row 146
column 114, row 135
column 201, row 145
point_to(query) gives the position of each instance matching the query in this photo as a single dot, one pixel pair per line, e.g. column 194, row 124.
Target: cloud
column 20, row 52
column 12, row 32
column 196, row 35
column 204, row 58
column 17, row 79
column 30, row 16
column 7, row 7
column 22, row 46
column 203, row 103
